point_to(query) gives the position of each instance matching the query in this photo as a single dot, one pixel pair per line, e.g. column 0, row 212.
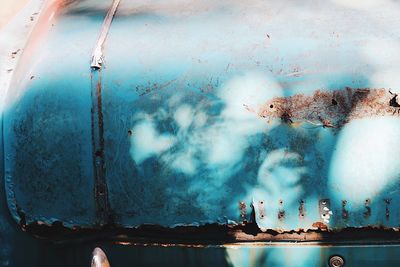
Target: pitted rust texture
column 281, row 211
column 367, row 212
column 243, row 211
column 212, row 234
column 332, row 108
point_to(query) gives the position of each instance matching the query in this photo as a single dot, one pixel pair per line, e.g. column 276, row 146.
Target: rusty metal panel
column 221, row 113
column 275, row 120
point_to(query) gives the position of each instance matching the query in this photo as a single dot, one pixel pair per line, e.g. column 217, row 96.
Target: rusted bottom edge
column 212, row 235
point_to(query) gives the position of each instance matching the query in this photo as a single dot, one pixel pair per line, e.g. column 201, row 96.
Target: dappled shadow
column 186, row 147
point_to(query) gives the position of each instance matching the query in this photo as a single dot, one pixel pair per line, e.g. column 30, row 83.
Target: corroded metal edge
column 97, row 55
column 212, row 235
column 41, row 14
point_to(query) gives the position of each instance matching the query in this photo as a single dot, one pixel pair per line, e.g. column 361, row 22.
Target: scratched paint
column 207, row 111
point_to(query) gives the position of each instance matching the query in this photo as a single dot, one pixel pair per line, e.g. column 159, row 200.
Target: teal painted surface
column 47, row 127
column 184, row 144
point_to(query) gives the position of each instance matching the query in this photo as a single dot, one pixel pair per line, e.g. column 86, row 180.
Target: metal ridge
column 97, row 55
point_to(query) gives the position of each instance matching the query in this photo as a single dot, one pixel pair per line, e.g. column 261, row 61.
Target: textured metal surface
column 55, row 119
column 207, row 113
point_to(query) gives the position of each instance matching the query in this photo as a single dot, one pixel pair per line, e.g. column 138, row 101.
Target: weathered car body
column 252, row 121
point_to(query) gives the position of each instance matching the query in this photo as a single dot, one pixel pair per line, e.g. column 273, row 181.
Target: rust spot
column 210, row 234
column 13, row 54
column 387, row 211
column 345, row 213
column 243, row 211
column 320, row 225
column 331, row 108
column 100, row 189
column 302, row 210
column 367, row 213
column 281, row 214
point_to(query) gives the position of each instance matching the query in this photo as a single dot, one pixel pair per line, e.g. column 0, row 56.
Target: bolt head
column 336, row 261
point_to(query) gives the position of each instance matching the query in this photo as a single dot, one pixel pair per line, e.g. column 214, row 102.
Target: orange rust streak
column 331, row 108
column 321, row 226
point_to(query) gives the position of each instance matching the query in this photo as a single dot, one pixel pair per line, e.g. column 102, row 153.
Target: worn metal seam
column 100, row 185
column 97, row 55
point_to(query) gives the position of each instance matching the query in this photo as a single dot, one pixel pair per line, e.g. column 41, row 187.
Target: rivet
column 336, row 261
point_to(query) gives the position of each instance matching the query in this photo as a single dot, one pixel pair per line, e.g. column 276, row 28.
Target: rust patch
column 243, row 211
column 320, row 225
column 211, row 235
column 14, row 53
column 302, row 209
column 332, row 108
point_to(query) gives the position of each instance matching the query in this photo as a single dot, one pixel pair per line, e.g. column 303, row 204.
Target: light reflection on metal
column 97, row 56
column 336, row 261
column 99, row 258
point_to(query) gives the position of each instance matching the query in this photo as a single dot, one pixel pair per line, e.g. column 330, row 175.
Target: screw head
column 336, row 261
